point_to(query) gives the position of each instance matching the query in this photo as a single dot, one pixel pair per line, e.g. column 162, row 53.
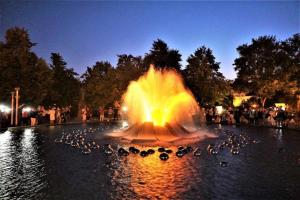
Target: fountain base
column 147, row 132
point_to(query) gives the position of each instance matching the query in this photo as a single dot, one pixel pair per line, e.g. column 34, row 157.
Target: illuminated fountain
column 158, row 105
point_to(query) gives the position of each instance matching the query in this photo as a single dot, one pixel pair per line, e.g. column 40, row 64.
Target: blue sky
column 84, row 32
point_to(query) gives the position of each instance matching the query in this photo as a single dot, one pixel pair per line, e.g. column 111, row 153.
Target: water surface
column 33, row 166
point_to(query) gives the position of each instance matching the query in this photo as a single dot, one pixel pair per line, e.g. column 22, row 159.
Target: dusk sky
column 84, row 32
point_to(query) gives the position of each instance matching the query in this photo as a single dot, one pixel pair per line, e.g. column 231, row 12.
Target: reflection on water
column 33, row 166
column 149, row 177
column 21, row 170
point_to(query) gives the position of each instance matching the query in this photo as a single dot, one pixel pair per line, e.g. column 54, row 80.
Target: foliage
column 291, row 48
column 204, row 79
column 103, row 84
column 99, row 84
column 20, row 67
column 162, row 57
column 65, row 86
column 129, row 68
column 267, row 66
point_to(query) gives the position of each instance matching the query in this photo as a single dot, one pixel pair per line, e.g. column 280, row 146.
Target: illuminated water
column 32, row 166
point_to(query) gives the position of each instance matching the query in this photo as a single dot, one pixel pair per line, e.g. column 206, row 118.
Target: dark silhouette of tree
column 99, row 85
column 102, row 84
column 291, row 48
column 20, row 67
column 162, row 57
column 267, row 66
column 65, row 86
column 129, row 68
column 203, row 77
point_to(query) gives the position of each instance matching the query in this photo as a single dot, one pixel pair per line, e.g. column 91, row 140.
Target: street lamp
column 17, row 89
column 12, row 108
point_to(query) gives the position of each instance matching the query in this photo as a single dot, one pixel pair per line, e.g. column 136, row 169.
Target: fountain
column 159, row 107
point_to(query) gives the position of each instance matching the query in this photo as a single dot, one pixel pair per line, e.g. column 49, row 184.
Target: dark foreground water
column 33, row 166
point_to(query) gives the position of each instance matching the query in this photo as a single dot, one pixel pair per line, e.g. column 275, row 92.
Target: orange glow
column 238, row 100
column 151, row 178
column 160, row 97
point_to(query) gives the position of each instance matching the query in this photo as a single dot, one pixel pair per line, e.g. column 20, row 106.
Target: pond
column 34, row 166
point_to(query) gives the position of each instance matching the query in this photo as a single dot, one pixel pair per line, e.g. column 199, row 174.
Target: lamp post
column 17, row 104
column 12, row 108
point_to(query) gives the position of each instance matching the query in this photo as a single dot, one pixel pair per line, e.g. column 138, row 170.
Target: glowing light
column 26, row 109
column 160, row 177
column 124, row 124
column 4, row 108
column 238, row 100
column 124, row 108
column 159, row 96
column 254, row 105
column 282, row 105
column 219, row 110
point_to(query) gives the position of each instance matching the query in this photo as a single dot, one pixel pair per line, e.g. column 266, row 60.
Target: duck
column 134, row 150
column 223, row 164
column 143, row 153
column 164, row 156
column 169, row 151
column 86, row 151
column 197, row 152
column 180, row 153
column 122, row 152
column 150, row 151
column 161, row 149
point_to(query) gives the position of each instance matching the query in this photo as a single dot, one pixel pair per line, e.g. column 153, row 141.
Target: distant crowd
column 273, row 116
column 40, row 115
column 58, row 115
column 110, row 114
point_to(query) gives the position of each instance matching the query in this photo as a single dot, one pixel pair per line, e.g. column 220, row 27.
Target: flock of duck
column 79, row 139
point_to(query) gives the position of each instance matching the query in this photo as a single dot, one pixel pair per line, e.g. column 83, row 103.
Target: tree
column 291, row 49
column 129, row 68
column 267, row 66
column 99, row 85
column 65, row 86
column 203, row 77
column 20, row 67
column 162, row 57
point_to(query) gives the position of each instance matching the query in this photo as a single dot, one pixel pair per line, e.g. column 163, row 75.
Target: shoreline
column 76, row 122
